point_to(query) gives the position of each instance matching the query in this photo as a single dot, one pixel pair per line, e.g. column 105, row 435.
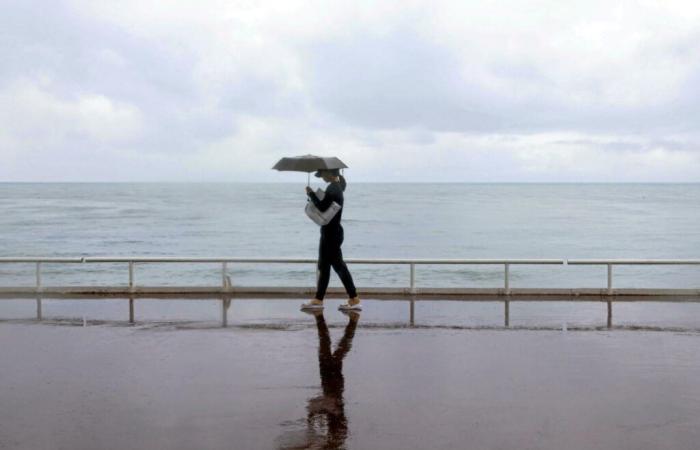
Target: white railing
column 630, row 262
column 224, row 261
column 38, row 261
column 411, row 262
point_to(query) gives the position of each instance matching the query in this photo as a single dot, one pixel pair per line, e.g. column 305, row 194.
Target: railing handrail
column 39, row 259
column 294, row 260
column 291, row 260
column 621, row 262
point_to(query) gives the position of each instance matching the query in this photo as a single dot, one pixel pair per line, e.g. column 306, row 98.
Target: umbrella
column 308, row 163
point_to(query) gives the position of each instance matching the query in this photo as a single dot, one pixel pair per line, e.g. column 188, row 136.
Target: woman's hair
column 334, row 173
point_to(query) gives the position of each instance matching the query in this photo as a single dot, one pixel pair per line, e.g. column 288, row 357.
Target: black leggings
column 329, row 254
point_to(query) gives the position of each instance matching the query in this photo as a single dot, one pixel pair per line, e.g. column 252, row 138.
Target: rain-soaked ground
column 280, row 379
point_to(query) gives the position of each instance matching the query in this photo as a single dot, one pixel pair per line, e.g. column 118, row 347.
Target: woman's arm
column 330, row 197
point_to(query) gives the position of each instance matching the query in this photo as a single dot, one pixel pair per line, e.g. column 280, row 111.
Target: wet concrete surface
column 279, row 314
column 332, row 382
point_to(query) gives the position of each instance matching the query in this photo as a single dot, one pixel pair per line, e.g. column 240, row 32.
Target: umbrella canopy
column 308, row 163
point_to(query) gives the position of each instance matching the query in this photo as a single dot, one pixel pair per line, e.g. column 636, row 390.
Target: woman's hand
column 308, row 190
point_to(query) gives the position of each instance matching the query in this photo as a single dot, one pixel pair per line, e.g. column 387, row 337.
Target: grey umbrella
column 308, row 163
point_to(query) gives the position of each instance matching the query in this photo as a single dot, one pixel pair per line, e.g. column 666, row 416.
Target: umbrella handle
column 308, row 178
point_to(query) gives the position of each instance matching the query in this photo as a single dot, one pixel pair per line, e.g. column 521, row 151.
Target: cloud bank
column 402, row 91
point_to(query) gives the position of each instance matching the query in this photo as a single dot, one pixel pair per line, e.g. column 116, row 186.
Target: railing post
column 131, row 276
column 223, row 275
column 38, row 309
column 609, row 314
column 38, row 276
column 413, row 278
column 609, row 279
column 506, row 314
column 507, row 284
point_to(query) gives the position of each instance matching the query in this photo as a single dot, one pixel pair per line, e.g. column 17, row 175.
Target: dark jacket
column 334, row 193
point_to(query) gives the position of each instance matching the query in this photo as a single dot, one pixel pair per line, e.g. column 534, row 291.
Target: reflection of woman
column 326, row 424
column 329, row 253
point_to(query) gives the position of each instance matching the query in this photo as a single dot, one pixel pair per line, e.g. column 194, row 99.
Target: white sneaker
column 351, row 305
column 313, row 304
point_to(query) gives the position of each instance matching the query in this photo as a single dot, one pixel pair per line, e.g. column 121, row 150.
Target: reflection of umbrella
column 308, row 163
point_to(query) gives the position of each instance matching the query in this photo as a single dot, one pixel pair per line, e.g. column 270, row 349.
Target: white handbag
column 321, row 217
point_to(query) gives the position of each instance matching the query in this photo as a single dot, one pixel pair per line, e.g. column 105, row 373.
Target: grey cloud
column 404, row 80
column 640, row 144
column 262, row 96
column 677, row 145
column 60, row 42
column 394, row 81
column 367, row 90
column 81, row 56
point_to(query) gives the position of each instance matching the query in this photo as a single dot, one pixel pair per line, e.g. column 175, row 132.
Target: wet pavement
column 664, row 314
column 337, row 381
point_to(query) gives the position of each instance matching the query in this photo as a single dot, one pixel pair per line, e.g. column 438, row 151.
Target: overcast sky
column 137, row 90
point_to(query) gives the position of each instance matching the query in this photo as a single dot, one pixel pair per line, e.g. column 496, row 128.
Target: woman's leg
column 341, row 269
column 323, row 271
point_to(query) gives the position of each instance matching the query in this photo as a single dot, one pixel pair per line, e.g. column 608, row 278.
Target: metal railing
column 411, row 262
column 224, row 261
column 38, row 261
column 629, row 262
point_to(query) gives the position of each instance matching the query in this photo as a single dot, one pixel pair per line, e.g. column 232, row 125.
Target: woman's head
column 328, row 175
column 331, row 175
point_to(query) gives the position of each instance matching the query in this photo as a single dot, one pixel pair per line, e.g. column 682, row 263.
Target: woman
column 329, row 253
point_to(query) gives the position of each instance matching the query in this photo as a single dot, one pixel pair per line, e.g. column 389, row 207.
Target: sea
column 381, row 220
